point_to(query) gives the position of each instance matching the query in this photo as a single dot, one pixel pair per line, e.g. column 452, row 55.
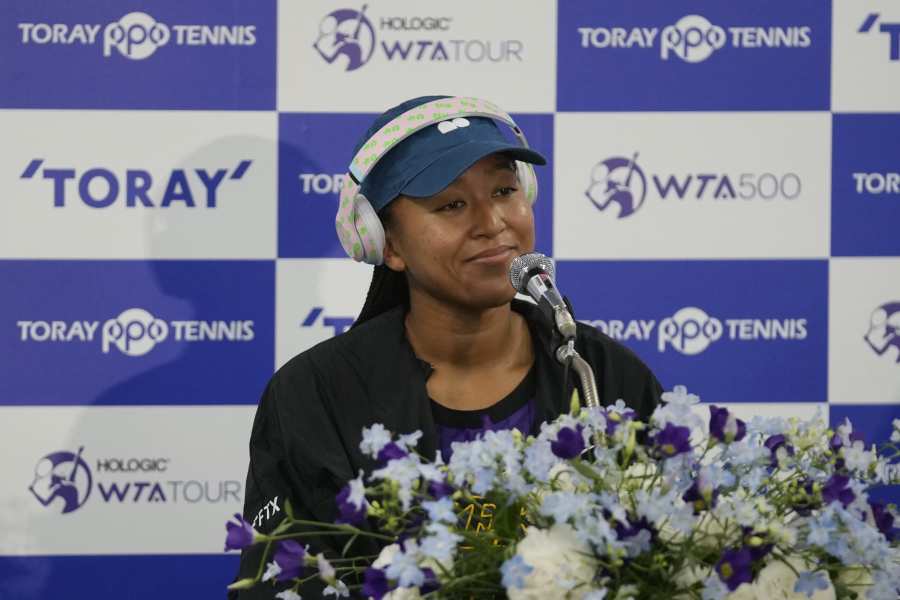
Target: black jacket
column 305, row 439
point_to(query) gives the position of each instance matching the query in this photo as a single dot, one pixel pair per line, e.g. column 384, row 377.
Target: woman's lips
column 498, row 255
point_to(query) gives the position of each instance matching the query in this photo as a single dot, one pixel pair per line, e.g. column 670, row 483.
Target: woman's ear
column 393, row 258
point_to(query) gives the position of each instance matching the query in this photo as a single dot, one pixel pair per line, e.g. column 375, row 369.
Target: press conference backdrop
column 723, row 196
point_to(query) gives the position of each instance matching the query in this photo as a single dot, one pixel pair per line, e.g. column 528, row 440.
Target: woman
column 441, row 346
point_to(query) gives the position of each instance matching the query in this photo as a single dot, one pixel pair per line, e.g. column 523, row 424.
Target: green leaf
column 289, row 509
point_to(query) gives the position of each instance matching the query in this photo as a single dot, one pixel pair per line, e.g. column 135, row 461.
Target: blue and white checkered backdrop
column 723, row 196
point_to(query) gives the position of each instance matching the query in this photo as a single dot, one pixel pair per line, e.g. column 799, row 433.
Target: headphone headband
column 416, row 119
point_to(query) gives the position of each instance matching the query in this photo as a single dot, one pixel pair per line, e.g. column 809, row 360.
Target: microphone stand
column 567, row 354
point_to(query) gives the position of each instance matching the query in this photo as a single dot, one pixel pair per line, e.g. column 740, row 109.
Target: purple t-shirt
column 515, row 411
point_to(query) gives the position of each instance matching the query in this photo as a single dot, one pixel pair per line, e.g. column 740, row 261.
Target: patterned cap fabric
column 429, row 160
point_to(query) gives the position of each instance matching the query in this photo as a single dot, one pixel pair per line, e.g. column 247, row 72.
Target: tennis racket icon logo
column 64, row 475
column 884, row 329
column 346, row 32
column 618, row 181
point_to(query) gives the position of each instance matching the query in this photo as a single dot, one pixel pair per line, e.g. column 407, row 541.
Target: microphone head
column 522, row 265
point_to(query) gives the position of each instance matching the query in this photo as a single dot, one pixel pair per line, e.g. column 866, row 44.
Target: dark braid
column 388, row 288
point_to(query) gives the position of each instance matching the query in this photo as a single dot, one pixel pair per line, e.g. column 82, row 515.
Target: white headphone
column 358, row 226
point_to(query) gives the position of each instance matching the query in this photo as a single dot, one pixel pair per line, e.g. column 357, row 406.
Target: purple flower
column 884, row 521
column 836, row 489
column 776, row 442
column 631, row 527
column 290, row 557
column 673, row 440
column 615, row 418
column 375, row 583
column 734, row 567
column 389, row 452
column 569, row 442
column 702, row 495
column 440, row 489
column 240, row 534
column 431, row 582
column 350, row 511
column 724, row 426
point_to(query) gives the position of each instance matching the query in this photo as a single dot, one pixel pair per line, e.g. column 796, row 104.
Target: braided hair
column 387, row 290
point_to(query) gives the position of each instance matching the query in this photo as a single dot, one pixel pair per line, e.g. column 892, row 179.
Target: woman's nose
column 488, row 217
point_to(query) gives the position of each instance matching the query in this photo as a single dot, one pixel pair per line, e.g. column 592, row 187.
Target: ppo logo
column 136, row 36
column 690, row 331
column 134, row 332
column 693, row 39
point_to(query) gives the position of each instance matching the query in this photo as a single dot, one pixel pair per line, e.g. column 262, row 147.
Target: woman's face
column 456, row 246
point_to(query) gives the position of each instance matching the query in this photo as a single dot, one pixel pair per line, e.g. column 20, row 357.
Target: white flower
column 895, row 435
column 326, row 571
column 272, row 570
column 561, row 564
column 440, row 510
column 856, row 457
column 374, row 438
column 338, row 590
column 404, row 567
column 288, row 595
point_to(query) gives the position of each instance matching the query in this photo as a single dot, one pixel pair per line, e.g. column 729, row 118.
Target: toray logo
column 351, row 36
column 137, row 35
column 338, row 325
column 619, row 181
column 135, row 332
column 321, row 183
column 62, row 475
column 877, row 183
column 693, row 38
column 66, row 476
column 99, row 187
column 691, row 330
column 891, row 30
column 884, row 329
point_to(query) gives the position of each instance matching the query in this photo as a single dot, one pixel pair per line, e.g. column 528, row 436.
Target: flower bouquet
column 600, row 505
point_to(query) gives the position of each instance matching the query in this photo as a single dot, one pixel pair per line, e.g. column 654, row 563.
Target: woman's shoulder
column 367, row 346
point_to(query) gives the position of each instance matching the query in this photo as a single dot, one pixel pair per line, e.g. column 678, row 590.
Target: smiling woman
column 440, row 202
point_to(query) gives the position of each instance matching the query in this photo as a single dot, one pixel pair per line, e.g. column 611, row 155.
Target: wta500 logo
column 136, row 35
column 691, row 330
column 620, row 182
column 694, row 38
column 135, row 332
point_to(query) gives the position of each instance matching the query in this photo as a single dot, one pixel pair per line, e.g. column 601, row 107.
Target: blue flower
column 724, row 426
column 440, row 489
column 702, row 495
column 835, row 489
column 673, row 440
column 240, row 534
column 514, row 572
column 808, row 582
column 569, row 442
column 289, row 557
column 734, row 568
column 440, row 510
column 375, row 583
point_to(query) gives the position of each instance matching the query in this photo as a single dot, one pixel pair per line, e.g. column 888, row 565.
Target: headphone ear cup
column 345, row 221
column 370, row 231
column 528, row 180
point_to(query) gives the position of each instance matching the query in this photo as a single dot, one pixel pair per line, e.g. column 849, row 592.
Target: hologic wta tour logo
column 694, row 39
column 134, row 332
column 691, row 330
column 135, row 36
column 884, row 329
column 621, row 183
column 64, row 480
column 62, row 475
column 349, row 37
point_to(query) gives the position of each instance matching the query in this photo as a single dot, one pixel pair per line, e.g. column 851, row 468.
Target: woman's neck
column 458, row 338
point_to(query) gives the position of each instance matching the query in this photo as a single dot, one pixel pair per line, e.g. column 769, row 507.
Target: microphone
column 532, row 274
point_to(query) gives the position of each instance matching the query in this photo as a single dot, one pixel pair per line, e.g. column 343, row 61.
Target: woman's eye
column 455, row 205
column 506, row 191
